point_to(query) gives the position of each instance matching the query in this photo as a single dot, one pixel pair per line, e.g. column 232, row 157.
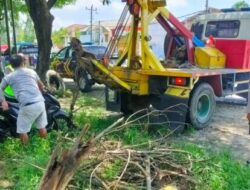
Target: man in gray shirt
column 27, row 89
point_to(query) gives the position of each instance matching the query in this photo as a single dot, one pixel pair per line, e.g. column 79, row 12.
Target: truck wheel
column 202, row 105
column 83, row 81
column 55, row 83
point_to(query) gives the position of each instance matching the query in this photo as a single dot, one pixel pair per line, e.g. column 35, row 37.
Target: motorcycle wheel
column 4, row 131
column 55, row 83
column 83, row 80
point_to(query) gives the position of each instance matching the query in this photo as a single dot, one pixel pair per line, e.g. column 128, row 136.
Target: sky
column 79, row 13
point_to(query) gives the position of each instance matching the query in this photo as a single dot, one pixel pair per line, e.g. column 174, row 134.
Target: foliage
column 17, row 5
column 106, row 2
column 25, row 33
column 59, row 36
column 240, row 4
column 78, row 32
column 112, row 170
column 61, row 3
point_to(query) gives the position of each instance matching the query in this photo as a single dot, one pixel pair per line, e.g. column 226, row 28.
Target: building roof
column 74, row 27
column 96, row 27
column 109, row 23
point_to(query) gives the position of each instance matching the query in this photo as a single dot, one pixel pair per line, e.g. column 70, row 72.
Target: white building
column 101, row 33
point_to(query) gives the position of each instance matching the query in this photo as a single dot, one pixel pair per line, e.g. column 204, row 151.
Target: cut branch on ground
column 151, row 167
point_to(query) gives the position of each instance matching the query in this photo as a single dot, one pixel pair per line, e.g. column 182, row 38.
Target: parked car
column 3, row 48
column 64, row 63
column 28, row 49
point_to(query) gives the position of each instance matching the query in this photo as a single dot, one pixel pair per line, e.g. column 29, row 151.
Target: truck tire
column 55, row 82
column 201, row 105
column 83, row 81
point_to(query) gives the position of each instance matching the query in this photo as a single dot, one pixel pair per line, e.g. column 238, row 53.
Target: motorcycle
column 57, row 118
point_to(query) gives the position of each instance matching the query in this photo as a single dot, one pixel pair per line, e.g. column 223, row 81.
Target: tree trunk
column 39, row 11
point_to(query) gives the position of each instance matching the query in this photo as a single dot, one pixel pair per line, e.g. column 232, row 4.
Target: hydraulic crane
column 140, row 80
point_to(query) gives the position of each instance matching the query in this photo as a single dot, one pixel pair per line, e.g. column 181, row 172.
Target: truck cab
column 228, row 24
column 230, row 29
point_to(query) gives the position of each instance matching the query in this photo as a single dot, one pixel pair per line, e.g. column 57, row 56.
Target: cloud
column 59, row 23
column 177, row 3
column 75, row 13
column 82, row 4
column 117, row 6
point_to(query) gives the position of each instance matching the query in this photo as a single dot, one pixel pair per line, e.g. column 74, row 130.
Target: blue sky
column 78, row 14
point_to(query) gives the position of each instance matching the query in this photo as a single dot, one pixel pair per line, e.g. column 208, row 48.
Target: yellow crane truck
column 184, row 84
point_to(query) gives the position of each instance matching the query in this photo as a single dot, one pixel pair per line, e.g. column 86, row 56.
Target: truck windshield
column 223, row 28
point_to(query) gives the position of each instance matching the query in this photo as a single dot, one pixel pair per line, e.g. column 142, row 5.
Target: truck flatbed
column 193, row 72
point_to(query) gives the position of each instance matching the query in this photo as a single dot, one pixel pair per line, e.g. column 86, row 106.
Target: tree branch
column 51, row 3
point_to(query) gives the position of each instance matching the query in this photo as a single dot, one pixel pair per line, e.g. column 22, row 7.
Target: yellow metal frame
column 130, row 78
column 181, row 91
column 111, row 75
column 124, row 71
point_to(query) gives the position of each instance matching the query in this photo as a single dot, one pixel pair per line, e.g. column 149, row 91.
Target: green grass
column 217, row 171
column 212, row 171
column 19, row 160
column 112, row 169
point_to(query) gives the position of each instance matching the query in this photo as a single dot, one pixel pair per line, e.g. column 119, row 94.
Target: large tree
column 28, row 34
column 39, row 11
column 17, row 5
column 240, row 4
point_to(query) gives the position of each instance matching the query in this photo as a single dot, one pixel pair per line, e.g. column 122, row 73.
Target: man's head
column 17, row 60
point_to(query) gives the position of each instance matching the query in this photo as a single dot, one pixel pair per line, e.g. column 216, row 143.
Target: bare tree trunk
column 39, row 11
column 63, row 164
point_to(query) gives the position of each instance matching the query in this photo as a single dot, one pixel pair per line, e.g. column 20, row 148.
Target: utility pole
column 91, row 9
column 206, row 6
column 99, row 36
column 13, row 26
column 7, row 24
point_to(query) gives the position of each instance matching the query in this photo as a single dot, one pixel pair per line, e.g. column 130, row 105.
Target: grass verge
column 22, row 166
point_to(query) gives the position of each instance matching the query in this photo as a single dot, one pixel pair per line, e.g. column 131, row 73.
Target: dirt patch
column 3, row 182
column 228, row 129
column 1, row 169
